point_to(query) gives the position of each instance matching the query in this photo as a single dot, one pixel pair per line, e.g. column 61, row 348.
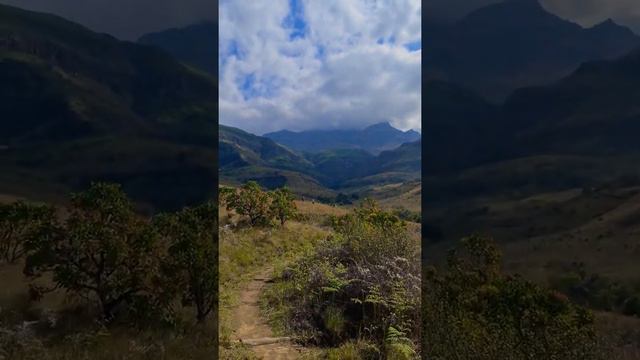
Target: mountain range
column 579, row 131
column 321, row 174
column 79, row 106
column 516, row 43
column 374, row 138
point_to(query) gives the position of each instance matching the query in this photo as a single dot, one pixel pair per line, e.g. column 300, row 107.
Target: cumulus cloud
column 126, row 19
column 306, row 64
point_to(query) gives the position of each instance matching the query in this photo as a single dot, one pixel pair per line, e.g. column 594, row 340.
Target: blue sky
column 307, row 64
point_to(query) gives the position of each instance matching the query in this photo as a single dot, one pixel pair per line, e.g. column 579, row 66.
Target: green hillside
column 323, row 175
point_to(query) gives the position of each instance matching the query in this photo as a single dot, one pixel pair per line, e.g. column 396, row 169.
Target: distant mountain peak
column 374, row 138
column 381, row 126
column 608, row 24
column 535, row 3
column 514, row 12
column 529, row 2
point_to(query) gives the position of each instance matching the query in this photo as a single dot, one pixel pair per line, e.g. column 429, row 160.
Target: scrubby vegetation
column 19, row 222
column 474, row 311
column 259, row 207
column 99, row 276
column 597, row 291
column 359, row 291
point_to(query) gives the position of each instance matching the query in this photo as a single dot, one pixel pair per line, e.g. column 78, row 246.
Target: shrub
column 354, row 350
column 19, row 222
column 408, row 215
column 359, row 284
column 472, row 310
column 192, row 266
column 250, row 201
column 282, row 205
column 103, row 251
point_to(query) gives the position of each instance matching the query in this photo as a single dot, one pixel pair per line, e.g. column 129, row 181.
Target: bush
column 595, row 291
column 192, row 267
column 472, row 310
column 250, row 201
column 354, row 350
column 19, row 223
column 360, row 284
column 282, row 205
column 102, row 251
column 408, row 215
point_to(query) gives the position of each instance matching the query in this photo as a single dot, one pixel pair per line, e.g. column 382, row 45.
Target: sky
column 583, row 12
column 125, row 19
column 308, row 64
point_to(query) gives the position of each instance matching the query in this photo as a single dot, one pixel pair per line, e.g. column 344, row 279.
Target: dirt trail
column 252, row 329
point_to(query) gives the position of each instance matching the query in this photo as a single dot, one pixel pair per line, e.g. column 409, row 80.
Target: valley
column 328, row 175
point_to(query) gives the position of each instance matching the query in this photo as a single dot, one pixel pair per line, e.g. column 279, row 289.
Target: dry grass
column 410, row 200
column 623, row 333
column 64, row 330
column 542, row 236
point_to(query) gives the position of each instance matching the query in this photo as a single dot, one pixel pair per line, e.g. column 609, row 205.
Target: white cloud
column 350, row 69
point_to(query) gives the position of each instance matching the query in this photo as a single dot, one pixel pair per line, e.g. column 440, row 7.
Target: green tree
column 224, row 194
column 282, row 205
column 193, row 259
column 102, row 251
column 250, row 201
column 19, row 222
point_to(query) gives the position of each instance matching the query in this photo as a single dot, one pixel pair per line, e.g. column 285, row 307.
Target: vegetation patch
column 359, row 292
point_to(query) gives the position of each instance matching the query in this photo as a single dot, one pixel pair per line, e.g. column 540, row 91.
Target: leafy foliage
column 362, row 283
column 597, row 291
column 19, row 222
column 102, row 250
column 250, row 201
column 193, row 264
column 282, row 206
column 258, row 206
column 472, row 310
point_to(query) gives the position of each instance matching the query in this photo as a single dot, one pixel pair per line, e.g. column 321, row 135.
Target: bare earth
column 252, row 329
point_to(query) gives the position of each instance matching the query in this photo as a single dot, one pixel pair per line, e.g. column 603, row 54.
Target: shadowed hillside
column 194, row 44
column 80, row 106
